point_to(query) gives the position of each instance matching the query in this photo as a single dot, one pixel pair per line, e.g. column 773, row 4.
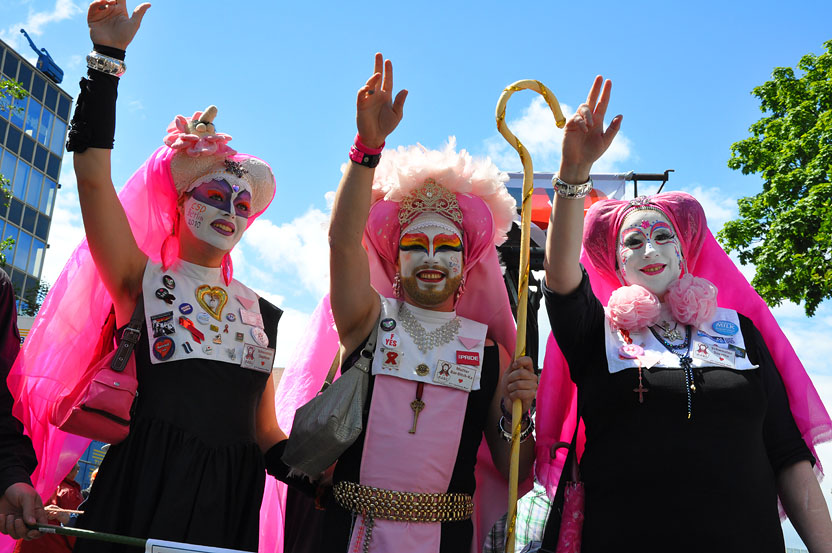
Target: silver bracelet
column 106, row 64
column 572, row 191
column 524, row 434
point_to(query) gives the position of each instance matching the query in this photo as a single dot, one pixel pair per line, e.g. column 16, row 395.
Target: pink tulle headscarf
column 705, row 259
column 488, row 210
column 64, row 334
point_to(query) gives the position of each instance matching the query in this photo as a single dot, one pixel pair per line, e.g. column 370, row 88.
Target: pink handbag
column 100, row 405
column 572, row 518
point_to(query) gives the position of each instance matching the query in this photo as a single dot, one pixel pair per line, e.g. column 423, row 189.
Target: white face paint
column 217, row 214
column 430, row 262
column 649, row 252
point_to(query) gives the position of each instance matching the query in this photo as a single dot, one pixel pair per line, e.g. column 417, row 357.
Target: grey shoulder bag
column 330, row 422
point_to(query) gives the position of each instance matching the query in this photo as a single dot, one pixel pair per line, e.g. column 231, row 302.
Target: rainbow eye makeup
column 447, row 242
column 414, row 241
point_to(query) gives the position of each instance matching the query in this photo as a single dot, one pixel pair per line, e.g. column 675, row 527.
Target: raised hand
column 377, row 113
column 520, row 382
column 110, row 25
column 584, row 137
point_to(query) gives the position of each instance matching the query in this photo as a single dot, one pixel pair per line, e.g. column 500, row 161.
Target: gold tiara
column 430, row 198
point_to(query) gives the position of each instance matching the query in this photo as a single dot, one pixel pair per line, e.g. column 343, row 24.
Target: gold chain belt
column 403, row 506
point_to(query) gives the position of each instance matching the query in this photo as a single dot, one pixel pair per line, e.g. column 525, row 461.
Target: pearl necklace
column 423, row 339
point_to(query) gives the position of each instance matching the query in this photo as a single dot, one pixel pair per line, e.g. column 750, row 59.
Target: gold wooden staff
column 523, row 286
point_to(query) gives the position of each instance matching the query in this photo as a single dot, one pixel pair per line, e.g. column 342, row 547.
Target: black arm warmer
column 280, row 470
column 93, row 124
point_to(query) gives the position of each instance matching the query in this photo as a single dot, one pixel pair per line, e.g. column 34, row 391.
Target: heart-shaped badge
column 212, row 299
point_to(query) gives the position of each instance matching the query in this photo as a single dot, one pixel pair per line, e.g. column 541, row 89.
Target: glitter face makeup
column 217, row 214
column 430, row 262
column 649, row 253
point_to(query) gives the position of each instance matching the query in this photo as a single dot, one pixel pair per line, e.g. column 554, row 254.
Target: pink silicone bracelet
column 363, row 148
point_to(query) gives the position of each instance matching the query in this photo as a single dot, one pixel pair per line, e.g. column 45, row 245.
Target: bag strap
column 552, row 529
column 129, row 338
column 364, row 359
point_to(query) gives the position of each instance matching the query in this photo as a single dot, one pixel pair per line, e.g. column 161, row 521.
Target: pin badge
column 187, row 347
column 388, row 324
column 231, row 353
column 218, row 339
column 203, row 318
column 168, row 281
column 260, row 336
column 162, row 324
column 214, row 328
column 726, row 328
column 164, row 295
column 163, row 348
column 239, row 336
column 422, row 369
column 186, row 308
column 208, row 349
column 231, row 317
column 630, row 351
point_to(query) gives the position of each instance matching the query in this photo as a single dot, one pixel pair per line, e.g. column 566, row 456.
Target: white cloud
column 718, row 207
column 536, row 129
column 35, row 24
column 299, row 248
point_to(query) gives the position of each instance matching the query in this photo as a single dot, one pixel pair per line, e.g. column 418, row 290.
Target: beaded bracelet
column 524, row 434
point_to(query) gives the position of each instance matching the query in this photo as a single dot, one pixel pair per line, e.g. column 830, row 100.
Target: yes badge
column 455, row 376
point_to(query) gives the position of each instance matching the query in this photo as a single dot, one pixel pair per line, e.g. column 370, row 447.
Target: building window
column 27, row 148
column 32, row 118
column 36, row 259
column 7, row 165
column 10, row 67
column 15, row 211
column 20, row 178
column 51, row 97
column 53, row 166
column 45, row 127
column 38, row 86
column 35, row 184
column 42, row 229
column 21, row 251
column 47, row 196
column 40, row 158
column 18, row 111
column 58, row 136
column 63, row 107
column 13, row 140
column 29, row 218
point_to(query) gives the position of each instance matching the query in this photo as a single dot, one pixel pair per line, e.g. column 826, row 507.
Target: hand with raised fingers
column 378, row 114
column 584, row 137
column 110, row 25
column 21, row 505
column 519, row 382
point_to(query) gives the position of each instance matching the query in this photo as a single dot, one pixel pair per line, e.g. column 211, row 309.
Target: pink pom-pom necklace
column 692, row 301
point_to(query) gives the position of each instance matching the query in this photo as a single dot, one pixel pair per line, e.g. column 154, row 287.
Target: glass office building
column 31, row 150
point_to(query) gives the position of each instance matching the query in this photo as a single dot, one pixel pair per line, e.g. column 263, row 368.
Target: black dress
column 455, row 536
column 190, row 470
column 656, row 481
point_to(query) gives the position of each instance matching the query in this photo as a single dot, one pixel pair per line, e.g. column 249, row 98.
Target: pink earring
column 459, row 290
column 397, row 285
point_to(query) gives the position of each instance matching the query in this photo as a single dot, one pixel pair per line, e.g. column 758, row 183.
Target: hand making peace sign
column 377, row 113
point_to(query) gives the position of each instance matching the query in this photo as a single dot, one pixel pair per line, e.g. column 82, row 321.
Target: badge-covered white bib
column 192, row 314
column 457, row 364
column 715, row 343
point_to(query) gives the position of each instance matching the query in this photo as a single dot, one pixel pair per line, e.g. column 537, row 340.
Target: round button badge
column 260, row 336
column 186, row 308
column 630, row 351
column 203, row 318
column 163, row 348
column 388, row 324
column 422, row 369
column 231, row 317
column 168, row 281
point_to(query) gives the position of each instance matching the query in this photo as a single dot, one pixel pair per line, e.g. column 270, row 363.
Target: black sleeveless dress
column 190, row 470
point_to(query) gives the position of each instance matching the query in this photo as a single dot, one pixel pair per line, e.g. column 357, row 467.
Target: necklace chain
column 682, row 351
column 425, row 340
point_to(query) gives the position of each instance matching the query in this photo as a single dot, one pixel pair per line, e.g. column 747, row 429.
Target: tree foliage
column 786, row 230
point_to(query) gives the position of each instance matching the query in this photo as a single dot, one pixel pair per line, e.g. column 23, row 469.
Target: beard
column 428, row 295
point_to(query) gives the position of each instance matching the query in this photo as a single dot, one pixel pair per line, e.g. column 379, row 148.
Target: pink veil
column 704, row 258
column 66, row 329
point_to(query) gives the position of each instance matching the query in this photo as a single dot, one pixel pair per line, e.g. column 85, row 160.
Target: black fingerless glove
column 280, row 470
column 93, row 124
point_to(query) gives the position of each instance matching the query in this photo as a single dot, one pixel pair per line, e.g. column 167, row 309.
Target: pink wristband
column 363, row 148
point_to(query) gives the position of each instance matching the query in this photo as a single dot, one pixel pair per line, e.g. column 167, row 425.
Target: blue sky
column 284, row 76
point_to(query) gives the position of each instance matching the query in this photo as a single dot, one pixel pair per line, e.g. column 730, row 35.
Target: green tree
column 9, row 91
column 32, row 299
column 786, row 230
